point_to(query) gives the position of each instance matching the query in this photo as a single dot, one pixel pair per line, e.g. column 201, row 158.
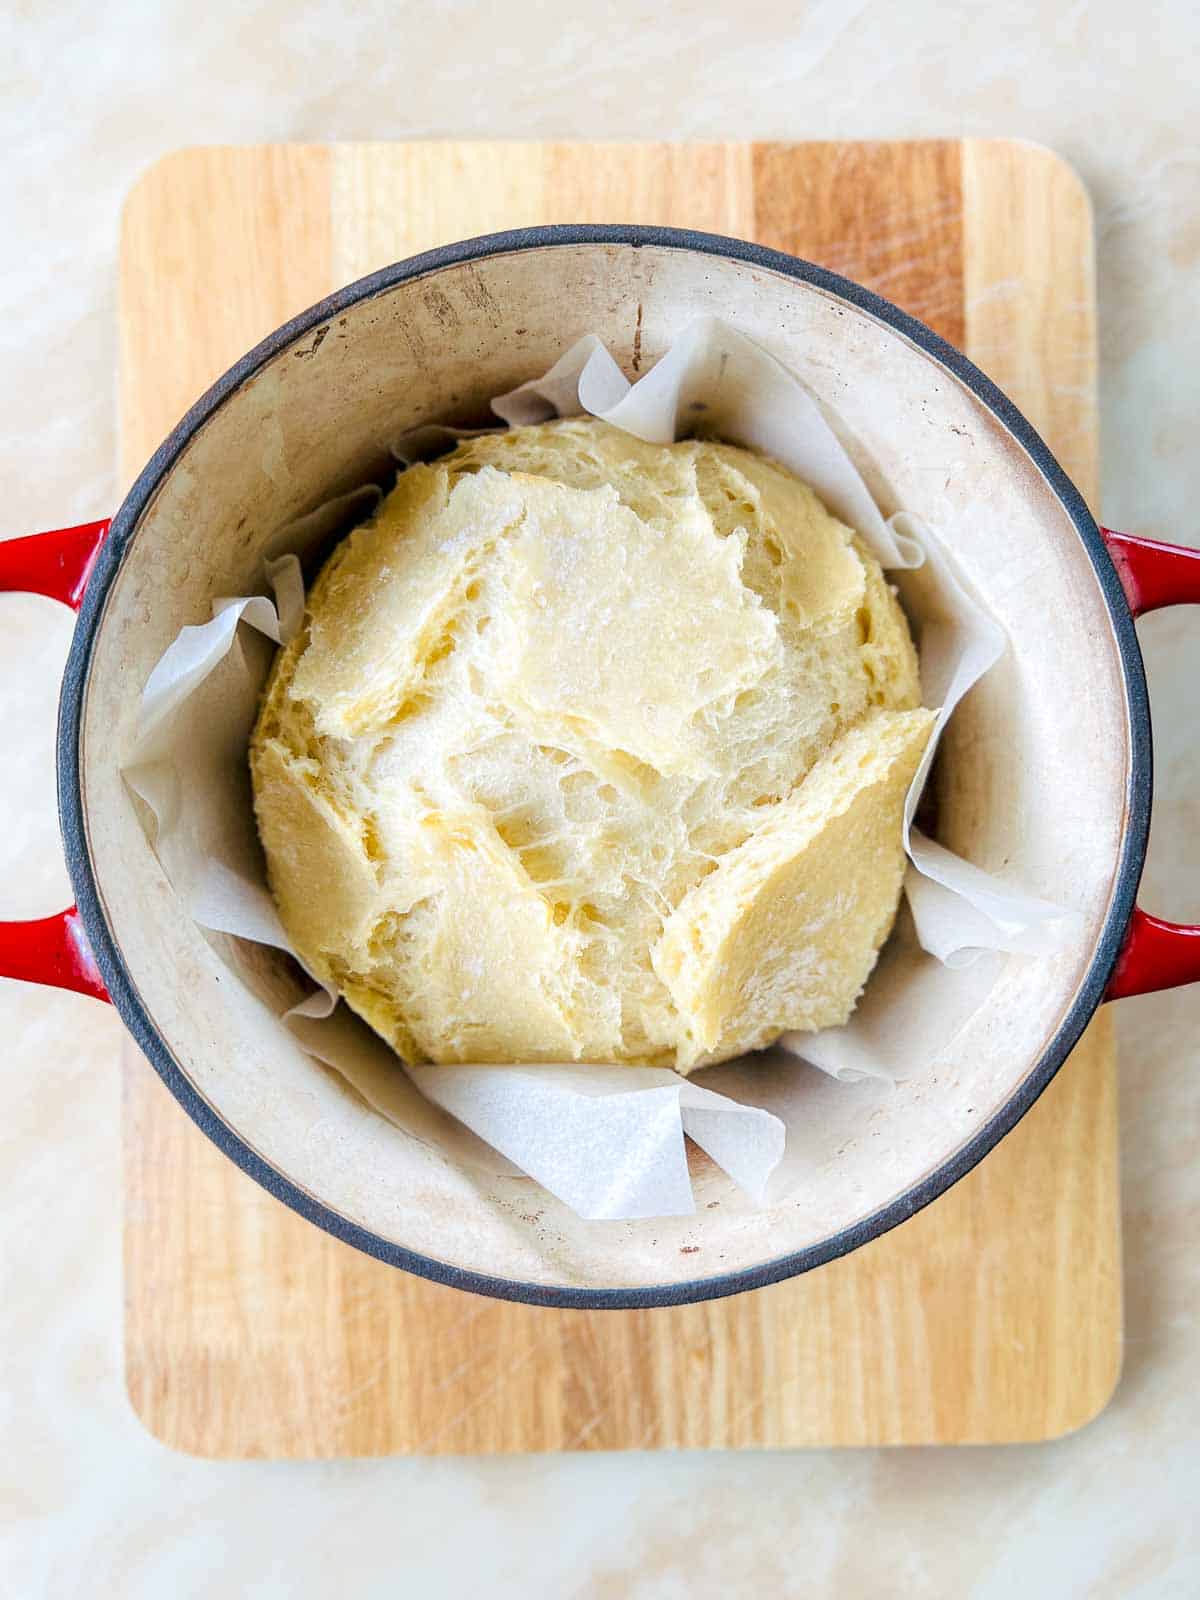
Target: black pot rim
column 121, row 986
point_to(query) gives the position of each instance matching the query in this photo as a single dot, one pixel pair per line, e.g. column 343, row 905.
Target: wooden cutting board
column 993, row 1315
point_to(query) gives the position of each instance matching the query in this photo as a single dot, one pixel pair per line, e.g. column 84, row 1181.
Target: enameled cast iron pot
column 1046, row 777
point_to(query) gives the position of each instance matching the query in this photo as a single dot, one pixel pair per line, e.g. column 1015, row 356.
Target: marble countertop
column 89, row 1503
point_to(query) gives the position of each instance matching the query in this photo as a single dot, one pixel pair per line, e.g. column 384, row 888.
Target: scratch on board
column 498, row 1382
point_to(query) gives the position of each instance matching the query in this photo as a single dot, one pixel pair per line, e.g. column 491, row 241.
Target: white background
column 89, row 1504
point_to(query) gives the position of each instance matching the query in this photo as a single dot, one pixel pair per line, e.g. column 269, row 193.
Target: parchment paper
column 607, row 1140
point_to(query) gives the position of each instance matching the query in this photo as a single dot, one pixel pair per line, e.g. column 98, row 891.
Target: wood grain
column 890, row 216
column 184, row 317
column 1024, row 208
column 993, row 1315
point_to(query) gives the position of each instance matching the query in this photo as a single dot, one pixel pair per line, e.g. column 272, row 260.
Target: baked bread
column 592, row 750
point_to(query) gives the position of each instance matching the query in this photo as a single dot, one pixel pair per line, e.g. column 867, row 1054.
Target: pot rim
column 120, row 983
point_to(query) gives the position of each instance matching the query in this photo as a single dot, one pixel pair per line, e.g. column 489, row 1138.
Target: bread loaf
column 592, row 750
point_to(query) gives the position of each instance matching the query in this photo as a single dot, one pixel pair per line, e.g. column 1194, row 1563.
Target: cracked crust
column 544, row 702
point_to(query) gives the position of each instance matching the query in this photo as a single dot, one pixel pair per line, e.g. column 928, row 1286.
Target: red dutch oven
column 1050, row 757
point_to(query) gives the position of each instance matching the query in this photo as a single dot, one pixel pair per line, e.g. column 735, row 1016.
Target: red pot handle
column 54, row 949
column 1156, row 954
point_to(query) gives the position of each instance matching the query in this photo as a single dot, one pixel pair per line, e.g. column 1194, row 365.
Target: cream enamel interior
column 1035, row 761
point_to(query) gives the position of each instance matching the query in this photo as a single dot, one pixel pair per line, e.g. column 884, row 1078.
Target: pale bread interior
column 792, row 919
column 592, row 750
